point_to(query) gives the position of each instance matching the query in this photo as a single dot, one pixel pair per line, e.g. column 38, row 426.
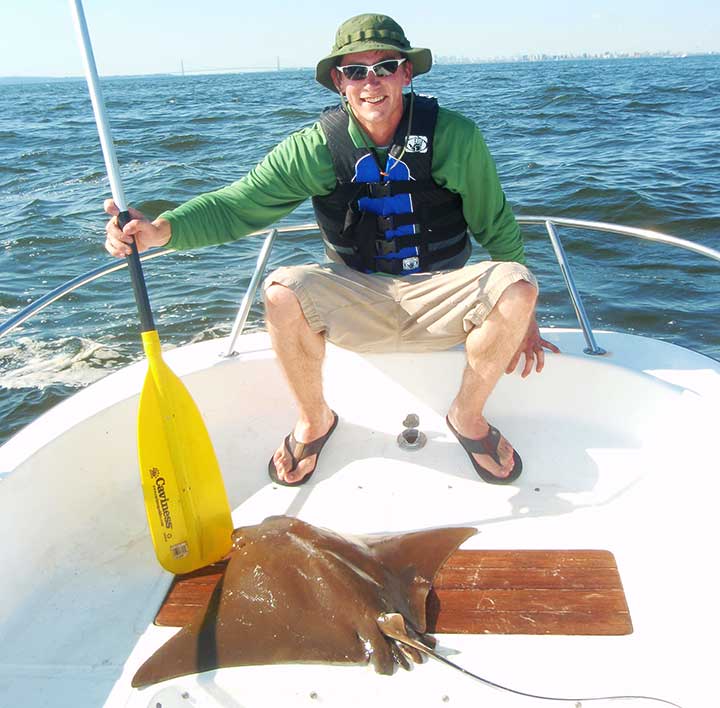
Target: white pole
column 111, row 165
column 103, row 125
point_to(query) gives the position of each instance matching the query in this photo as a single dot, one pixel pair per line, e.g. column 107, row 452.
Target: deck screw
column 411, row 420
column 446, row 699
column 313, row 695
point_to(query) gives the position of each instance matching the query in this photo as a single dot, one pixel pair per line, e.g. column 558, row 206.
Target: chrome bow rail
column 550, row 222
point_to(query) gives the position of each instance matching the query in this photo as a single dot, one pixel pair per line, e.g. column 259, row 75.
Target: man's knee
column 281, row 302
column 521, row 295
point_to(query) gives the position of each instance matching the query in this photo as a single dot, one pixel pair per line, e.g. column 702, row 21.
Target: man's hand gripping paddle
column 185, row 499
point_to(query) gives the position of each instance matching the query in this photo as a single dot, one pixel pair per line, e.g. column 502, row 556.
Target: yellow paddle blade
column 185, row 499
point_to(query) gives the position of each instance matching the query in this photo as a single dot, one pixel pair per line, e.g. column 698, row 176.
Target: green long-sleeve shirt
column 301, row 167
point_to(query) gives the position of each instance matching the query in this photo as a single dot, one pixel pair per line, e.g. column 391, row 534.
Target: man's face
column 376, row 102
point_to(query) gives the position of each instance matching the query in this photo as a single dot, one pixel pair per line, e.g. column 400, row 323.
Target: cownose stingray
column 293, row 592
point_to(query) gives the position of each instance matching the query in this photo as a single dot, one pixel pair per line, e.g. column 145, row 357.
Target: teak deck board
column 483, row 592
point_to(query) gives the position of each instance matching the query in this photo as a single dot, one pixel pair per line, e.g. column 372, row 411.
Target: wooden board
column 484, row 592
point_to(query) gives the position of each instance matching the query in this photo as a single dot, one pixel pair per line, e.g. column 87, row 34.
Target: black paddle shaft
column 138, row 281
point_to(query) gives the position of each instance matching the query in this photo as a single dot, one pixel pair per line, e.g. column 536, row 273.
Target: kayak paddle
column 185, row 499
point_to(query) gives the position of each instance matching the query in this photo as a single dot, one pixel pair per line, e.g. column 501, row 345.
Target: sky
column 154, row 36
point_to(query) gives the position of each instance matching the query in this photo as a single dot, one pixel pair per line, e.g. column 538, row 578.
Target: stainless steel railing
column 249, row 297
column 550, row 222
column 49, row 298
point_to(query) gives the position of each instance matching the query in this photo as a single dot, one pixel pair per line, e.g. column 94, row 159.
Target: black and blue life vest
column 396, row 220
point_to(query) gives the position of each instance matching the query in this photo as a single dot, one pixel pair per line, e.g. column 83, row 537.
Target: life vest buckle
column 379, row 189
column 385, row 223
column 383, row 247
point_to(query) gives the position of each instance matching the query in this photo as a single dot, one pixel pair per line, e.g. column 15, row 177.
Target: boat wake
column 67, row 361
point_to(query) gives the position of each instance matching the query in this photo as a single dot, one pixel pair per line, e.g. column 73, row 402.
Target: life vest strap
column 389, row 246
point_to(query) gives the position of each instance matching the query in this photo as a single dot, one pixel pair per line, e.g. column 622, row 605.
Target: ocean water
column 627, row 141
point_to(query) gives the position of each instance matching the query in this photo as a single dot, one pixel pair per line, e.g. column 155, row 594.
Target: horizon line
column 444, row 60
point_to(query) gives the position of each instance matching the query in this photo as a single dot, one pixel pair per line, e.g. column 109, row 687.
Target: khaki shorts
column 381, row 313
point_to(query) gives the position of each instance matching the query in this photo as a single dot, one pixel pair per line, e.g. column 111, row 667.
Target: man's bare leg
column 490, row 348
column 300, row 352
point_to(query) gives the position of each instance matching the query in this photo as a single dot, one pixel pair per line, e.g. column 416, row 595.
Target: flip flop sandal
column 298, row 451
column 487, row 446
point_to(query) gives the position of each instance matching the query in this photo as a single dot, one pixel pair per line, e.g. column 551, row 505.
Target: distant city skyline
column 455, row 59
column 139, row 37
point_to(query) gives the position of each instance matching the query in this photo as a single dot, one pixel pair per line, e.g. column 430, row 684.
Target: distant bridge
column 227, row 69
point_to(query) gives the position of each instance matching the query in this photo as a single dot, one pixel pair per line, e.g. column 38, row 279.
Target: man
column 397, row 186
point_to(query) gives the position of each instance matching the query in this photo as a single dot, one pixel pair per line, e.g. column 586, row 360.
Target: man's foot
column 295, row 461
column 491, row 454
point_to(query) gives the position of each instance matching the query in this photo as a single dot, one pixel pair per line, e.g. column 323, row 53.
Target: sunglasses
column 359, row 72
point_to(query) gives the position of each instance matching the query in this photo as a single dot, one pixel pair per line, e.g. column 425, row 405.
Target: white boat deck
column 618, row 455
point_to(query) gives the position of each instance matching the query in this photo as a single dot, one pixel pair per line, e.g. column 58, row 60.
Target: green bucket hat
column 366, row 33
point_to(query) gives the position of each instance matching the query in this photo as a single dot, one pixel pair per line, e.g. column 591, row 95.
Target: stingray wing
column 415, row 558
